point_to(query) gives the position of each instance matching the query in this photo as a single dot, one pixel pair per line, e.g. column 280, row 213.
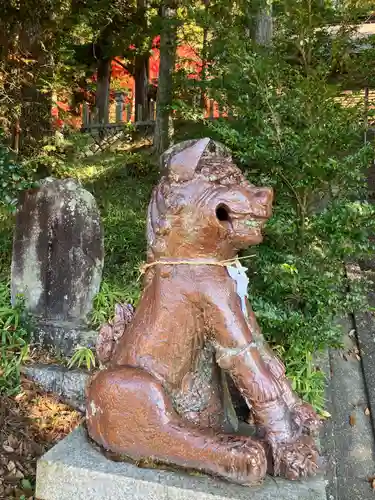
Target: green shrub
column 14, row 338
column 290, row 131
column 14, row 177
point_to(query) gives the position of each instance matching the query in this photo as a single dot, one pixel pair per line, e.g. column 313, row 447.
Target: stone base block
column 74, row 469
column 62, row 337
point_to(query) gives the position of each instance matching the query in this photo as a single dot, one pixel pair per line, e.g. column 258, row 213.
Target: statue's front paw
column 104, row 343
column 111, row 332
column 242, row 460
column 302, row 413
column 306, row 418
column 298, row 459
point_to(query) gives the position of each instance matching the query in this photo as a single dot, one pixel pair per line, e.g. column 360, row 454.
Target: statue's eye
column 222, row 213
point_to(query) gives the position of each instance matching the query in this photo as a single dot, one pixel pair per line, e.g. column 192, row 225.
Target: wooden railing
column 117, row 115
column 120, row 112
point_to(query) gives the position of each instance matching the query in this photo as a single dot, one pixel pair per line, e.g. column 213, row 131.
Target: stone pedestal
column 62, row 337
column 74, row 469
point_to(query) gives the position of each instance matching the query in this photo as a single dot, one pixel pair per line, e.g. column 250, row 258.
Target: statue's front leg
column 292, row 455
column 304, row 414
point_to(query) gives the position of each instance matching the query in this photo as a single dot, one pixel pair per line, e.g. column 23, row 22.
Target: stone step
column 74, row 469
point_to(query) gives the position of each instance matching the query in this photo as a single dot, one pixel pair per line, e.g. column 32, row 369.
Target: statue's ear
column 183, row 163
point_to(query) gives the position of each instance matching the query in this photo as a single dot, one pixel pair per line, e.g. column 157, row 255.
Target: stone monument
column 57, row 261
column 163, row 395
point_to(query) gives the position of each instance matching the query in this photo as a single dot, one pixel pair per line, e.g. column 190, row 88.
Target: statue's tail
column 111, row 332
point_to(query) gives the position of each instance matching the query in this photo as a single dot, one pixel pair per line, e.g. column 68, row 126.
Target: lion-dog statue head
column 203, row 205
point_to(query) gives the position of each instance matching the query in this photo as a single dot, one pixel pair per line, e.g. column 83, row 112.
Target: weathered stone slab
column 63, row 336
column 57, row 260
column 75, row 469
column 68, row 385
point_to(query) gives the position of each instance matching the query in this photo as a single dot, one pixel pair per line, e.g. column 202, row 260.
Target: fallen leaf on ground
column 325, row 414
column 26, row 485
column 352, row 420
column 367, row 412
column 30, row 424
column 11, row 466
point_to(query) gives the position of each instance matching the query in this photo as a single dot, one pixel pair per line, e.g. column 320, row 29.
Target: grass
column 14, row 342
column 121, row 183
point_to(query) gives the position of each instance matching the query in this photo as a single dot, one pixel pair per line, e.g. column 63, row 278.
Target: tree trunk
column 204, row 56
column 102, row 90
column 35, row 121
column 264, row 25
column 168, row 37
column 141, row 71
column 141, row 87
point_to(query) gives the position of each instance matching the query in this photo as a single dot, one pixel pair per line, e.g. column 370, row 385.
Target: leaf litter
column 30, row 424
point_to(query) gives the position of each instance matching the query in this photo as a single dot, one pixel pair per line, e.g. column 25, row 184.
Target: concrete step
column 74, row 469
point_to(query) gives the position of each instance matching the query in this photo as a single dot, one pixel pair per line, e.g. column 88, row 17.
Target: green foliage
column 291, row 131
column 14, row 338
column 105, row 301
column 83, row 356
column 14, row 178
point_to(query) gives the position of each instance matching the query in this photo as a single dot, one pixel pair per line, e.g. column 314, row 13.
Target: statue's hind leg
column 129, row 413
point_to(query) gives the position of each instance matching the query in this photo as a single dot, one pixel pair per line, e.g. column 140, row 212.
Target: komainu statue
column 163, row 395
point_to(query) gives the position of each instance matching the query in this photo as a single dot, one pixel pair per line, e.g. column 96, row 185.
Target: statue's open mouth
column 246, row 228
column 255, row 222
column 232, row 218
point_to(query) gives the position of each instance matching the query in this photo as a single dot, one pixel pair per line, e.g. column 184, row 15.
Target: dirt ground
column 30, row 424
